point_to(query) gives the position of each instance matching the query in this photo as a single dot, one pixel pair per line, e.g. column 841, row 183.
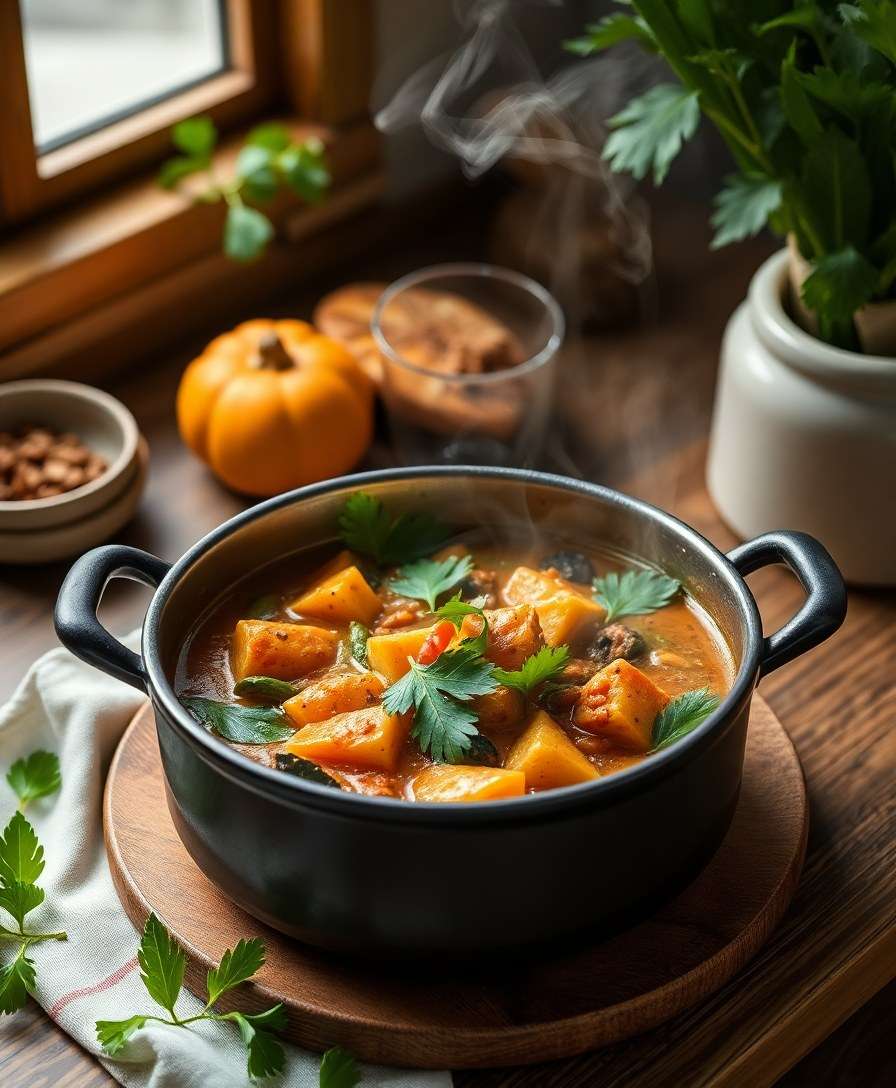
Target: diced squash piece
column 334, row 694
column 342, row 597
column 502, row 708
column 564, row 616
column 388, row 654
column 285, row 651
column 369, row 739
column 620, row 703
column 513, row 634
column 547, row 757
column 445, row 783
column 562, row 608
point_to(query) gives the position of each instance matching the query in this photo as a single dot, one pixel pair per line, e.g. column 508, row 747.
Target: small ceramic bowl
column 41, row 530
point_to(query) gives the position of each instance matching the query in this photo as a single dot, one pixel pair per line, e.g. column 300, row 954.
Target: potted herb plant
column 804, row 95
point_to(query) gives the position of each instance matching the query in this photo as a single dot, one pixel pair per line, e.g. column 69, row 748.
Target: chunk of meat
column 571, row 565
column 615, row 641
column 481, row 583
column 399, row 612
column 502, row 708
column 513, row 634
column 620, row 703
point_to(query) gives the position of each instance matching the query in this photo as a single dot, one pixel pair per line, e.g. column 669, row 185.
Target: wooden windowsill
column 105, row 253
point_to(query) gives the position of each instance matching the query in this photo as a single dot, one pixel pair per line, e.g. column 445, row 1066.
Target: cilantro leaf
column 338, row 1069
column 21, row 854
column 16, row 980
column 541, row 666
column 18, row 898
column 743, row 207
column 113, row 1034
column 35, row 776
column 237, row 964
column 634, row 593
column 265, row 1054
column 162, row 962
column 839, row 284
column 241, row 724
column 650, row 130
column 455, row 609
column 428, row 579
column 443, row 727
column 682, row 715
column 366, row 527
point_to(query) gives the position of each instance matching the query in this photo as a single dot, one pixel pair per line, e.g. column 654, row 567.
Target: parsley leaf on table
column 338, row 1069
column 366, row 527
column 682, row 715
column 538, row 668
column 34, row 776
column 237, row 964
column 162, row 963
column 21, row 854
column 634, row 593
column 427, row 579
column 16, row 981
column 241, row 724
column 443, row 726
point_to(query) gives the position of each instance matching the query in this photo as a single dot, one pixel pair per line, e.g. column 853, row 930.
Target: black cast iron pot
column 380, row 875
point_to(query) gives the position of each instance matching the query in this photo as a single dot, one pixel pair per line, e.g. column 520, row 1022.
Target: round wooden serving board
column 513, row 1011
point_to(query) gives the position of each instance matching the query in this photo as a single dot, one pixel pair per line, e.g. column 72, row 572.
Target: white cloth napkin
column 67, row 707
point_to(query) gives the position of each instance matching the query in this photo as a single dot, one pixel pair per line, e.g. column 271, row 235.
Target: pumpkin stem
column 272, row 355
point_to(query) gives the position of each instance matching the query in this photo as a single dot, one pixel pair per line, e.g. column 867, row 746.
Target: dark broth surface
column 679, row 650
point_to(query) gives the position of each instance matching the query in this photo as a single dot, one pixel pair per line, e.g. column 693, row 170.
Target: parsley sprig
column 539, row 668
column 21, row 864
column 634, row 593
column 366, row 527
column 427, row 579
column 682, row 715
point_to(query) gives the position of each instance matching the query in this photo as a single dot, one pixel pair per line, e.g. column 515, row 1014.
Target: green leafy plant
column 267, row 688
column 428, row 579
column 270, row 161
column 338, row 1069
column 682, row 715
column 633, row 593
column 366, row 527
column 539, row 668
column 358, row 635
column 241, row 724
column 804, row 94
column 21, row 864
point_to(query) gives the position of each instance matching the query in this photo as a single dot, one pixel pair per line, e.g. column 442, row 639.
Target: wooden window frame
column 92, row 232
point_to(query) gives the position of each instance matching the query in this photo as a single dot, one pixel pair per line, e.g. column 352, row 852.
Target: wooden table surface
column 635, row 410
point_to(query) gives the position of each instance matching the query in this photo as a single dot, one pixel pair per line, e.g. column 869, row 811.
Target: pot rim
column 798, row 348
column 604, row 791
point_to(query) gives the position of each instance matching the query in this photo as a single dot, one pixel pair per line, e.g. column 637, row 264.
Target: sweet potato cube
column 369, row 739
column 621, row 704
column 334, row 694
column 547, row 757
column 562, row 617
column 444, row 783
column 282, row 650
column 342, row 597
column 513, row 634
column 528, row 586
column 388, row 654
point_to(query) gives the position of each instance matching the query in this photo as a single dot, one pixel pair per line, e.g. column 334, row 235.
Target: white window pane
column 92, row 62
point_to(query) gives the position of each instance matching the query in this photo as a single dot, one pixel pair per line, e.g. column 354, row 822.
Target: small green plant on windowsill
column 804, row 95
column 270, row 161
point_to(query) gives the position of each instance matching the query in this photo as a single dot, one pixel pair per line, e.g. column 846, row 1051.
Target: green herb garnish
column 634, row 593
column 358, row 635
column 241, row 724
column 338, row 1069
column 162, row 964
column 427, row 579
column 443, row 725
column 540, row 667
column 35, row 776
column 304, row 768
column 268, row 688
column 682, row 715
column 455, row 610
column 366, row 527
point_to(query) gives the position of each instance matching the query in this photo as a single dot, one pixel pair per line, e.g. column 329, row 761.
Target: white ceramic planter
column 804, row 435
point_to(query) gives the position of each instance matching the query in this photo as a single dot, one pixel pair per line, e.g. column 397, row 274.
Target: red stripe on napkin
column 96, row 988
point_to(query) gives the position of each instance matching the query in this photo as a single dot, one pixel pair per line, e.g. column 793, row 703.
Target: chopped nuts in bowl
column 67, row 451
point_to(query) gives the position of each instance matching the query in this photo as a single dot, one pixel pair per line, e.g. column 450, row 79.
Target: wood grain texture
column 839, row 702
column 529, row 1009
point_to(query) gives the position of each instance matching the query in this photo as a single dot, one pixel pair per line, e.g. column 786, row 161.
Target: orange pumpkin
column 274, row 405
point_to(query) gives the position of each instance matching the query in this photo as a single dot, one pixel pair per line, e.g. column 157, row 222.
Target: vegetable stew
column 411, row 664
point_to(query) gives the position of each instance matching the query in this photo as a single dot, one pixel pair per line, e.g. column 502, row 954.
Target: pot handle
column 825, row 606
column 75, row 617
